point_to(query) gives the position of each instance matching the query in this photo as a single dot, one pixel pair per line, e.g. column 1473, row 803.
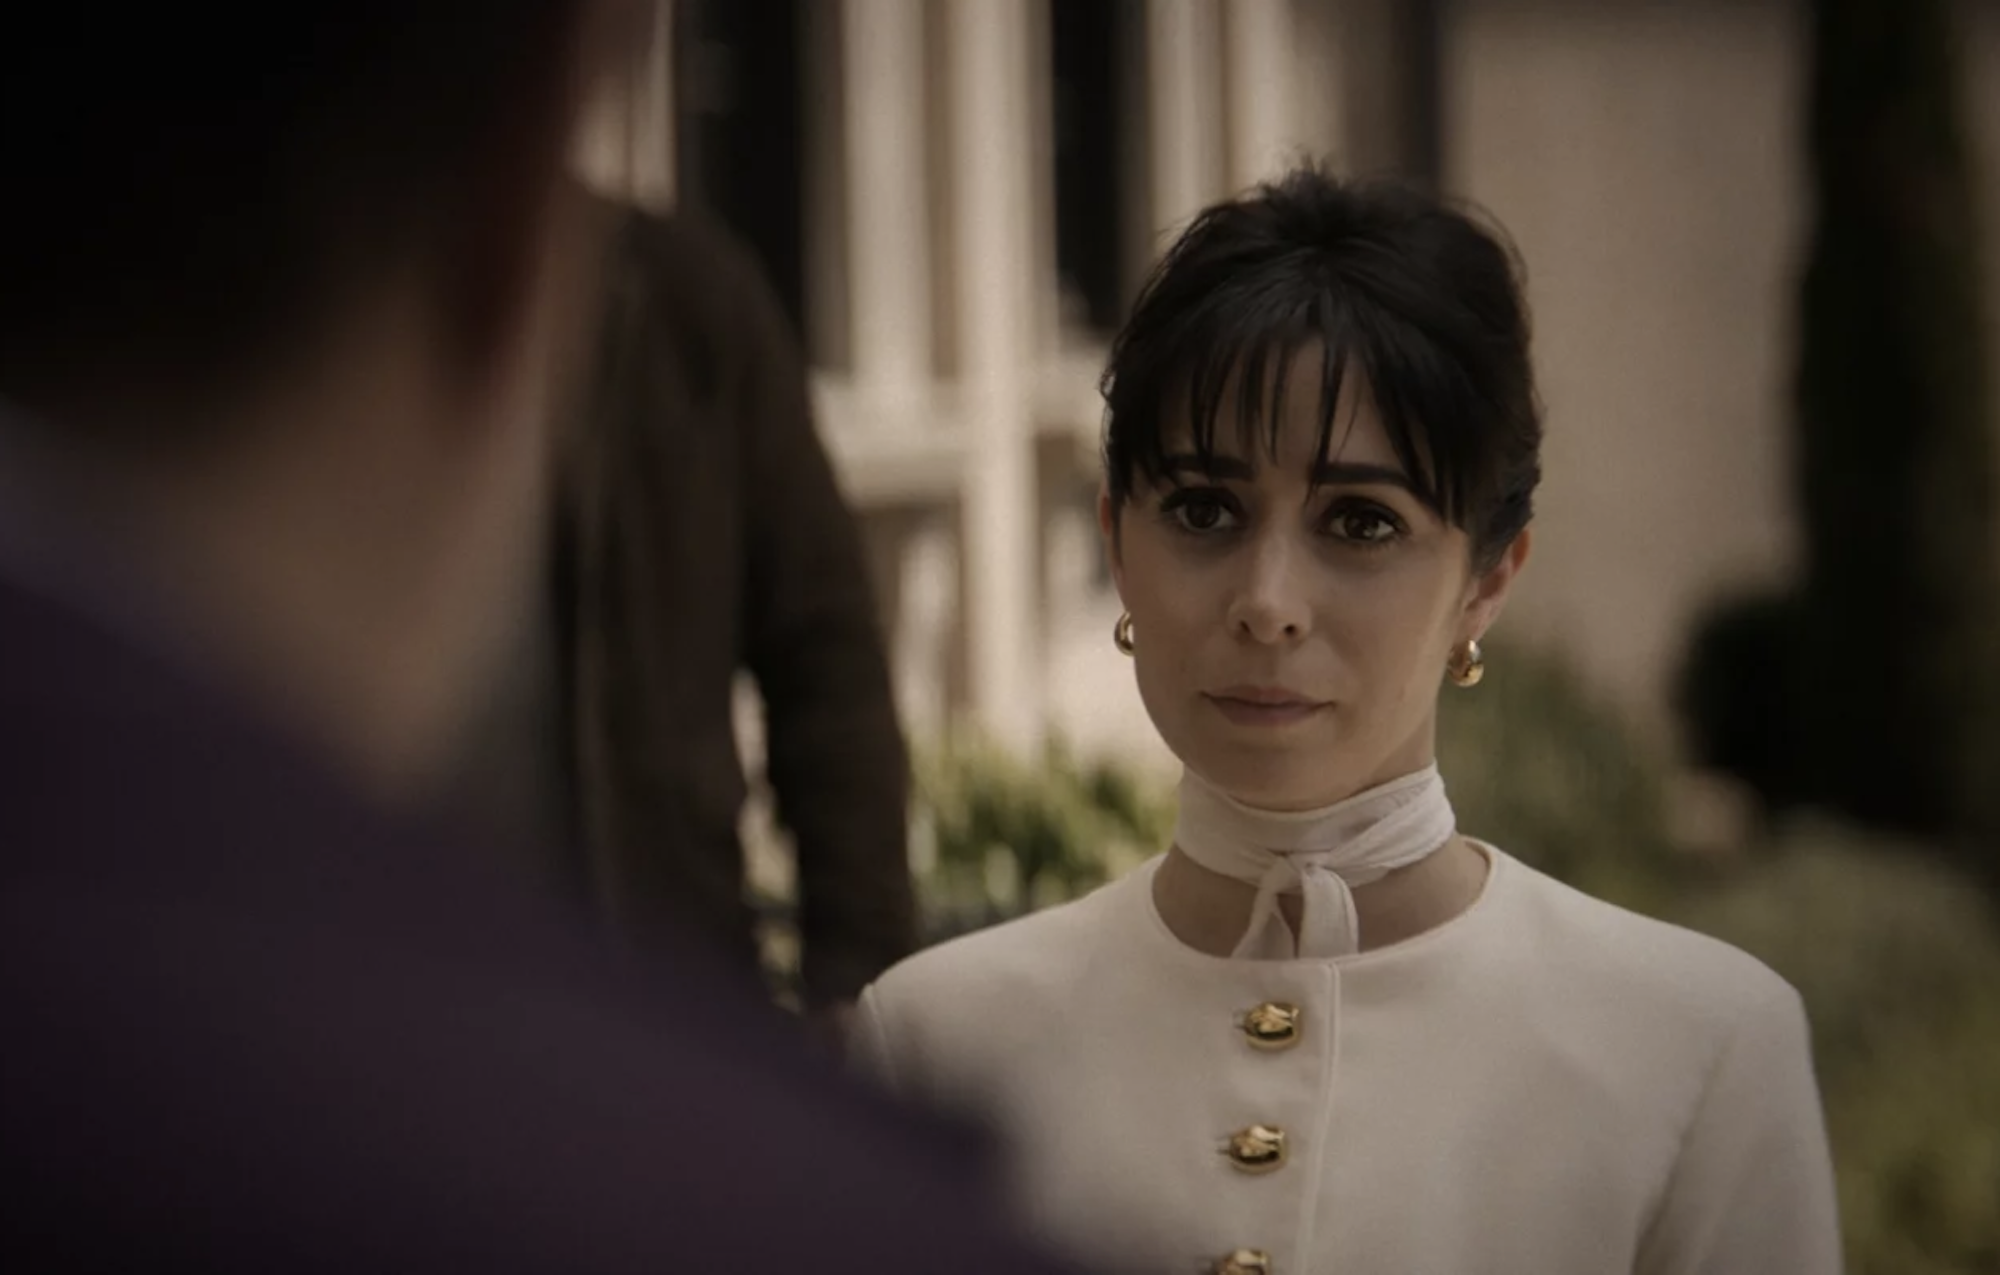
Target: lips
column 1267, row 697
column 1267, row 706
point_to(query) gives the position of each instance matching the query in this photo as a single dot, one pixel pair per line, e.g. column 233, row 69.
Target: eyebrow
column 1326, row 473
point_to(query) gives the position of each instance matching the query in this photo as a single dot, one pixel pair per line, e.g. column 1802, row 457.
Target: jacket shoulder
column 977, row 997
column 1696, row 980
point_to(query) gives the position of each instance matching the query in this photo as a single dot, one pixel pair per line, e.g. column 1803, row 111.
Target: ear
column 1487, row 594
column 1107, row 527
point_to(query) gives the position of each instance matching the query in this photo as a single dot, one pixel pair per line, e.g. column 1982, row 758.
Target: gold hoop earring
column 1121, row 634
column 1467, row 664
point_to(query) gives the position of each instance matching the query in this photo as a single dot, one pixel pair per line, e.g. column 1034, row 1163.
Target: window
column 1094, row 137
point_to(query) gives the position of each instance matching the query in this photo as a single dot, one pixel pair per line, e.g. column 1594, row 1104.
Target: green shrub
column 998, row 835
column 1738, row 694
column 1540, row 767
column 1898, row 959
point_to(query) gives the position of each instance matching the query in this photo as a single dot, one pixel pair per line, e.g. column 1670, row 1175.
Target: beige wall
column 1646, row 159
column 1644, row 154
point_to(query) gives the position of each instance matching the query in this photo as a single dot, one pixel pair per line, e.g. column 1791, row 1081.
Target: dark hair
column 188, row 184
column 1422, row 298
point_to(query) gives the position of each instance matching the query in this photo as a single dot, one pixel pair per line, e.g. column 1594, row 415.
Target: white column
column 1182, row 70
column 1045, row 298
column 624, row 147
column 1260, row 104
column 651, row 137
column 991, row 201
column 888, row 238
column 927, row 569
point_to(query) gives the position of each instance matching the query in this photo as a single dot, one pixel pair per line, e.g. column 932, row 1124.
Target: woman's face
column 1292, row 634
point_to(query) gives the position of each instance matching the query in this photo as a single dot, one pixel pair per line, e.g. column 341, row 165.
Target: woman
column 1325, row 1031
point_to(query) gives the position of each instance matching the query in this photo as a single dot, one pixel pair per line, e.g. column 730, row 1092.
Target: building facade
column 957, row 198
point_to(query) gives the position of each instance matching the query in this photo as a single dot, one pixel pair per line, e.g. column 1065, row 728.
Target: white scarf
column 1319, row 854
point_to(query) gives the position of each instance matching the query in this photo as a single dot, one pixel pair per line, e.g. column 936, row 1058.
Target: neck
column 333, row 564
column 1208, row 911
column 271, row 598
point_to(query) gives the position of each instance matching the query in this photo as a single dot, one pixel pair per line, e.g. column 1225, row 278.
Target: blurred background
column 1751, row 680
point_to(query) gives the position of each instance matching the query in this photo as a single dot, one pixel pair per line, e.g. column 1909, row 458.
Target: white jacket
column 1546, row 1085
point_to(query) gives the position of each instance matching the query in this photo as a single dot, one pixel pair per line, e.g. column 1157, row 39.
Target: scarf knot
column 1320, row 855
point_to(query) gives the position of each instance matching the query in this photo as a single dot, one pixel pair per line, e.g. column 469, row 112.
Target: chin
column 1283, row 766
column 1269, row 778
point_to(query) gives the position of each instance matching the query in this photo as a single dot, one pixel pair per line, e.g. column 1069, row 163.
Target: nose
column 1270, row 604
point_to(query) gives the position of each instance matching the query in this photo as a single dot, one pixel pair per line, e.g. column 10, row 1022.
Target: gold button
column 1244, row 1261
column 1272, row 1026
column 1258, row 1149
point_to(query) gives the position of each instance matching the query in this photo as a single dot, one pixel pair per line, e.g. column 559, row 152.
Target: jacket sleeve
column 836, row 756
column 1752, row 1190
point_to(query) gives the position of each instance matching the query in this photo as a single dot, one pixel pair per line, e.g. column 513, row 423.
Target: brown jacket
column 703, row 533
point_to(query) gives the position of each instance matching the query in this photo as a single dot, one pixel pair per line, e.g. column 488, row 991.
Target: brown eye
column 1201, row 515
column 1199, row 512
column 1365, row 526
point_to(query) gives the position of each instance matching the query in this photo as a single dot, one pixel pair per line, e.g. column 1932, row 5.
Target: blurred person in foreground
column 701, row 531
column 1325, row 1029
column 285, row 307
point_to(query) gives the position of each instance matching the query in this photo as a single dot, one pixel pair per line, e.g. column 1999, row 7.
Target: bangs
column 1416, row 298
column 1231, row 358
